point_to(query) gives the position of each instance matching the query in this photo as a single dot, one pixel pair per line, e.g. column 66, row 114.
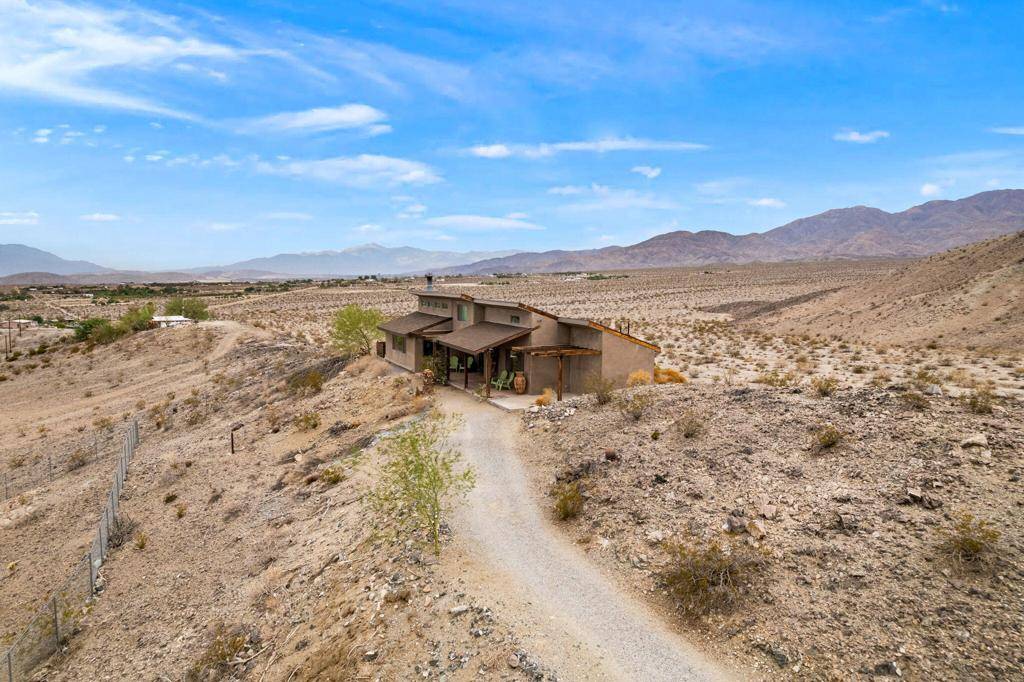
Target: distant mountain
column 856, row 232
column 15, row 258
column 367, row 259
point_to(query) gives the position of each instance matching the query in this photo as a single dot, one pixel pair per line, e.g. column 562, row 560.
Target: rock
column 756, row 528
column 458, row 610
column 778, row 655
column 734, row 524
column 933, row 389
column 655, row 537
column 888, row 668
column 918, row 497
column 513, row 661
column 975, row 440
column 370, row 655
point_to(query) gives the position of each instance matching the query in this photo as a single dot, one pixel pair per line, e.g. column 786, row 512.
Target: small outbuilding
column 171, row 320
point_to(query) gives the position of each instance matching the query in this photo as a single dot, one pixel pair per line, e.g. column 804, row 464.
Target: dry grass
column 545, row 398
column 690, row 424
column 667, row 375
column 824, row 386
column 568, row 501
column 638, row 378
column 707, row 576
column 971, row 540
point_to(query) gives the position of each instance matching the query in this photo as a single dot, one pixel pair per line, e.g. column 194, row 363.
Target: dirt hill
column 969, row 296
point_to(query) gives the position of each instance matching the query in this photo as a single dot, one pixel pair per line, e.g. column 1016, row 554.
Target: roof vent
column 430, row 282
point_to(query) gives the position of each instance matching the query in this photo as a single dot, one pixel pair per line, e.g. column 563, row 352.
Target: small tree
column 192, row 308
column 354, row 329
column 418, row 479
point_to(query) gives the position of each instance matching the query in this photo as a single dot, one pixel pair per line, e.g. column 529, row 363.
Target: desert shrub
column 307, row 421
column 226, row 646
column 826, row 437
column 971, row 539
column 332, row 475
column 192, row 308
column 980, row 401
column 922, row 379
column 709, row 576
column 603, row 389
column 914, row 400
column 122, row 530
column 306, row 383
column 170, row 497
column 635, row 403
column 16, row 461
column 180, row 510
column 354, row 329
column 777, row 379
column 545, row 398
column 104, row 333
column 140, row 540
column 418, row 480
column 881, row 378
column 667, row 375
column 84, row 328
column 690, row 424
column 638, row 378
column 435, row 364
column 824, row 386
column 568, row 501
column 136, row 319
column 77, row 459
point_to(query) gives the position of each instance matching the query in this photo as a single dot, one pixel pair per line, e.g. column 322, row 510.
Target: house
column 479, row 339
column 171, row 320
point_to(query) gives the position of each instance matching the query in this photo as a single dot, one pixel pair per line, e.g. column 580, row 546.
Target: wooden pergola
column 560, row 352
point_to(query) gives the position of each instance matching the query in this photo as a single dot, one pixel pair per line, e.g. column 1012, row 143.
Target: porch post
column 447, row 365
column 465, row 370
column 487, row 373
column 561, row 359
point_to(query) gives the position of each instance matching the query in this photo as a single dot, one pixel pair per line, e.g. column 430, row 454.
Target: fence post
column 56, row 623
column 49, row 464
column 92, row 578
column 10, row 667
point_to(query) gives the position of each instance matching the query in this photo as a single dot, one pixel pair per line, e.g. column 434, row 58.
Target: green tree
column 418, row 480
column 354, row 329
column 192, row 308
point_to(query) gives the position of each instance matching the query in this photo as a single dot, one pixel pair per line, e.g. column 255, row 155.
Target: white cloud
column 128, row 158
column 480, row 223
column 930, row 189
column 40, row 140
column 517, row 215
column 19, row 218
column 364, row 171
column 610, row 198
column 59, row 51
column 411, row 211
column 99, row 129
column 722, row 187
column 491, row 151
column 601, row 146
column 43, row 132
column 321, row 119
column 767, row 202
column 288, row 216
column 649, row 172
column 222, row 227
column 567, row 190
column 1008, row 130
column 100, row 217
column 857, row 137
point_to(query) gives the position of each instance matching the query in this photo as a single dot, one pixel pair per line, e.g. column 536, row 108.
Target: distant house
column 171, row 320
column 481, row 338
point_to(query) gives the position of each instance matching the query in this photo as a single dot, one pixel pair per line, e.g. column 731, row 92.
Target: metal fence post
column 10, row 667
column 56, row 623
column 92, row 577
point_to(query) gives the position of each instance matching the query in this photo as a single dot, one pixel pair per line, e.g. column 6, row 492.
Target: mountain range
column 856, row 232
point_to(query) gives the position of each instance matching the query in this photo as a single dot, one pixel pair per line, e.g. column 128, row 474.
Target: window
column 463, row 312
column 514, row 319
column 444, row 306
column 398, row 343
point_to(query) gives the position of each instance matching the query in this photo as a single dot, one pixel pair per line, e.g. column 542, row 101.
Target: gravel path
column 595, row 629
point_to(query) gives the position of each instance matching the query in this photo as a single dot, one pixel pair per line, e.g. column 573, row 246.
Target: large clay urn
column 519, row 383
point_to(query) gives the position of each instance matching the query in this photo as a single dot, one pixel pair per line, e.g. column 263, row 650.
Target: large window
column 514, row 319
column 398, row 343
column 463, row 312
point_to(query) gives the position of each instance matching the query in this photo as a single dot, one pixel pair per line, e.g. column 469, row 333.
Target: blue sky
column 162, row 134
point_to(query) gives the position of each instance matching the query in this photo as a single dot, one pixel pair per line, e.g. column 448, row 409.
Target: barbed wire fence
column 65, row 608
column 44, row 471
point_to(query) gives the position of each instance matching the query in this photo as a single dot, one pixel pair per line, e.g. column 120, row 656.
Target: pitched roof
column 481, row 336
column 411, row 323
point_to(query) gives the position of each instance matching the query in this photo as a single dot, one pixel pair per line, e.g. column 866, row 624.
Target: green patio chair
column 469, row 363
column 500, row 380
column 453, row 364
column 505, row 384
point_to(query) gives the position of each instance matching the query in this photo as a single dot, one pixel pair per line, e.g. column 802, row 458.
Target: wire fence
column 63, row 611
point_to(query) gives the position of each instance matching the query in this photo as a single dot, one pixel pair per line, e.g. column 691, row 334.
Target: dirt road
column 573, row 617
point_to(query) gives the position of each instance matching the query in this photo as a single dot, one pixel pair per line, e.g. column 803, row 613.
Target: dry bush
column 824, row 386
column 77, row 459
column 170, row 497
column 636, row 403
column 122, row 530
column 223, row 653
column 140, row 540
column 971, row 540
column 307, row 421
column 638, row 378
column 915, row 400
column 980, row 401
column 307, row 382
column 332, row 475
column 370, row 366
column 568, row 501
column 690, row 424
column 709, row 576
column 777, row 379
column 180, row 510
column 826, row 437
column 545, row 398
column 603, row 389
column 881, row 378
column 667, row 375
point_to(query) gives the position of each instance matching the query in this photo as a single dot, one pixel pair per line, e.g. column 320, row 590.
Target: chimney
column 430, row 282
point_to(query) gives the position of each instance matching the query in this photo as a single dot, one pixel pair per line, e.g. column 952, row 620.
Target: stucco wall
column 503, row 315
column 410, row 359
column 581, row 367
column 619, row 357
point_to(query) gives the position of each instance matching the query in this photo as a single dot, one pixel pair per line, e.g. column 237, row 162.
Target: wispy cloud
column 600, row 146
column 480, row 223
column 19, row 218
column 767, row 202
column 1008, row 130
column 604, row 198
column 857, row 137
column 287, row 216
column 100, row 217
column 649, row 172
column 366, row 171
column 930, row 189
column 322, row 119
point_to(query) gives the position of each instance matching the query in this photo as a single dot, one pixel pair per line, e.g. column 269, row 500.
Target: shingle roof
column 412, row 323
column 481, row 336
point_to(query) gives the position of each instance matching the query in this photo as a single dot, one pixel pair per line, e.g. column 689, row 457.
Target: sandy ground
column 578, row 619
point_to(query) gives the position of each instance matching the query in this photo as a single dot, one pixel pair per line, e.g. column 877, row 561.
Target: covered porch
column 480, row 356
column 559, row 353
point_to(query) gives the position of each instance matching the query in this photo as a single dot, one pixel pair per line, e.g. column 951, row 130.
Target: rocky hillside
column 857, row 232
column 968, row 296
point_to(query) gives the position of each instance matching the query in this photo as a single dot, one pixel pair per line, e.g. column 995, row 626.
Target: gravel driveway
column 592, row 628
